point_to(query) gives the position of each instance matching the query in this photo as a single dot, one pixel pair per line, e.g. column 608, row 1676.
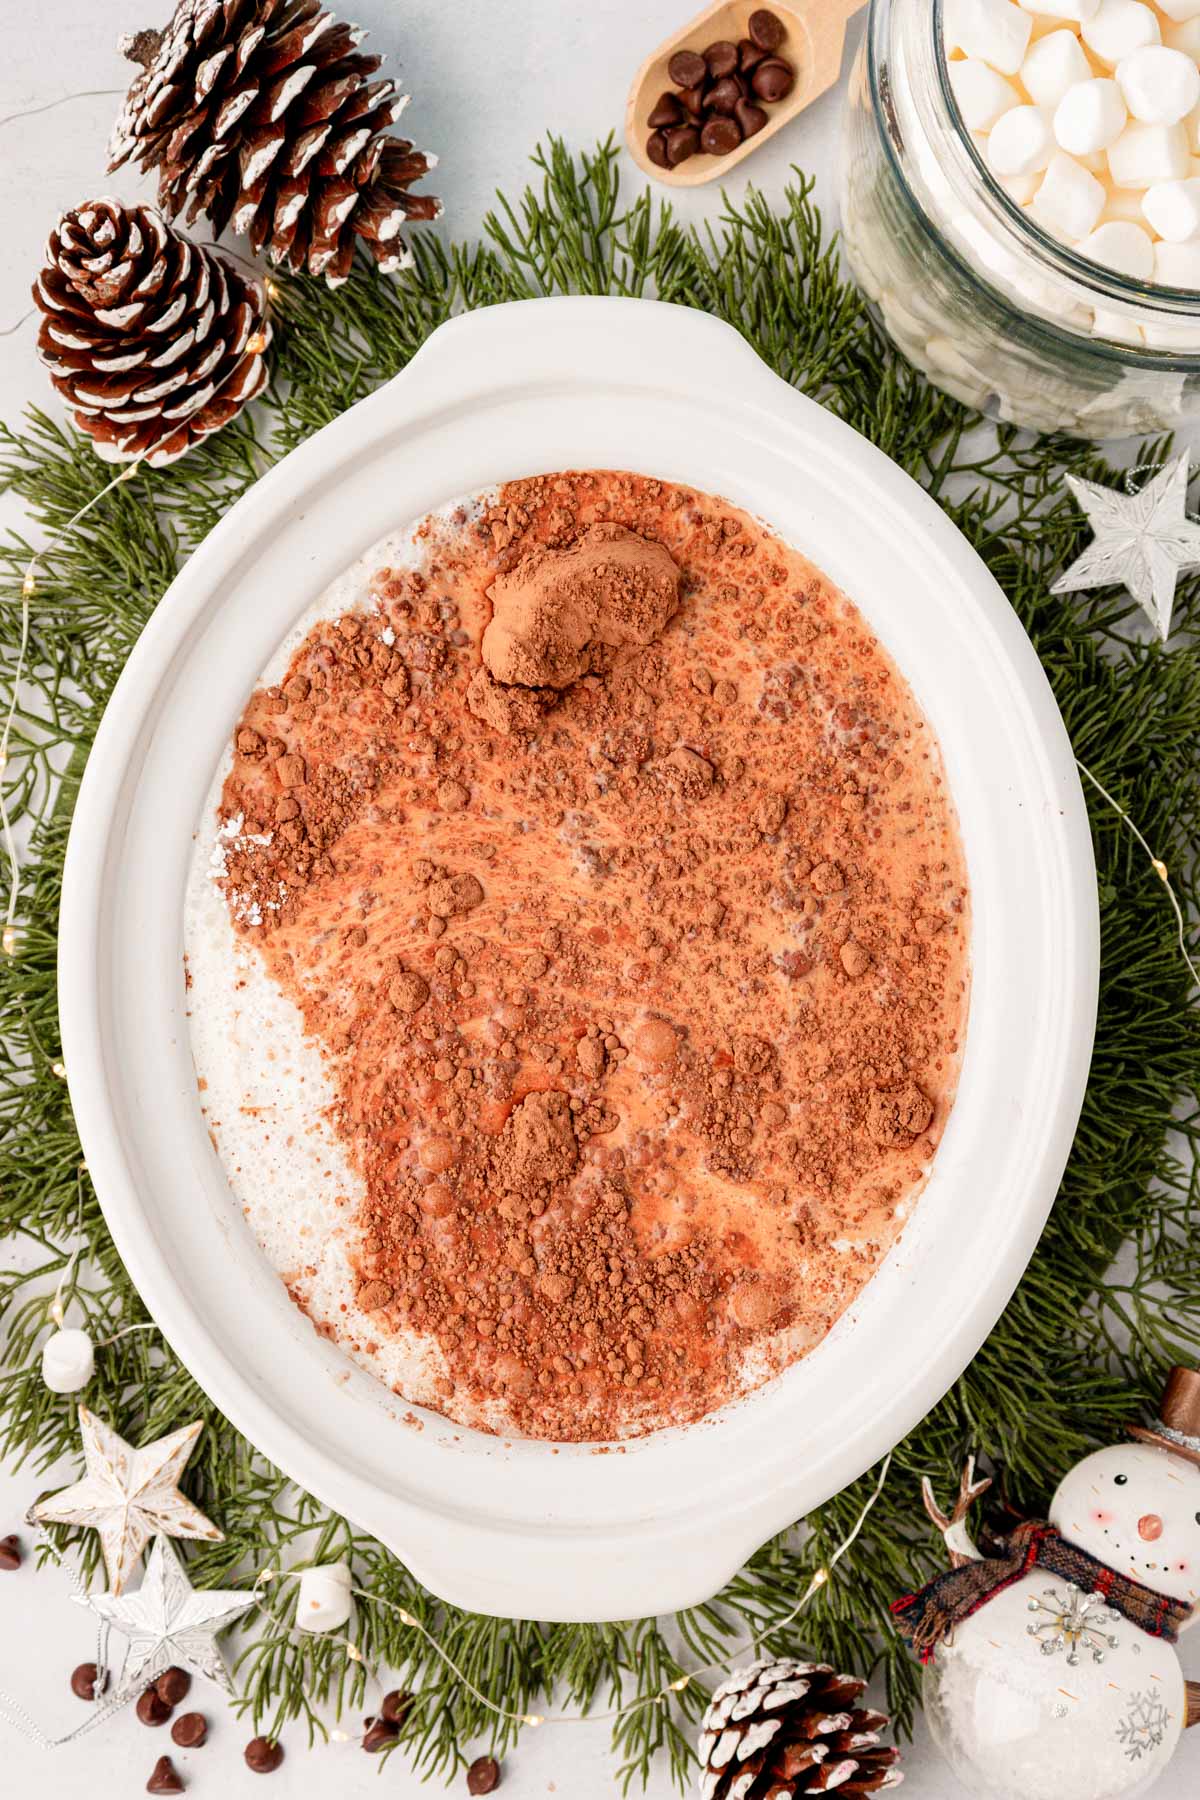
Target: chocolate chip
column 263, row 1755
column 84, row 1681
column 656, row 150
column 666, row 111
column 721, row 58
column 483, row 1775
column 766, row 29
column 692, row 101
column 686, row 70
column 719, row 137
column 10, row 1552
column 749, row 56
column 396, row 1706
column 379, row 1734
column 173, row 1684
column 750, row 118
column 190, row 1730
column 724, row 95
column 151, row 1708
column 683, row 142
column 164, row 1778
column 773, row 80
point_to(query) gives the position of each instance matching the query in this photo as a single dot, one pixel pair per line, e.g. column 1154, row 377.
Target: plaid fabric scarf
column 925, row 1619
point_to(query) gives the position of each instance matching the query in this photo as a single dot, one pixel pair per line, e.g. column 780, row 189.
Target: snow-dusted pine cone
column 262, row 114
column 777, row 1730
column 153, row 341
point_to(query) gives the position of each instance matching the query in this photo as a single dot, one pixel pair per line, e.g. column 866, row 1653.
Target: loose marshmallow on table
column 1160, row 86
column 1021, row 142
column 1129, row 249
column 1069, row 201
column 1144, row 154
column 1089, row 117
column 982, row 93
column 993, row 30
column 1054, row 64
column 1172, row 209
column 1119, row 27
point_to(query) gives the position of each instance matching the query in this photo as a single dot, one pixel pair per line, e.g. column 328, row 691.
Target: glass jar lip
column 1110, row 283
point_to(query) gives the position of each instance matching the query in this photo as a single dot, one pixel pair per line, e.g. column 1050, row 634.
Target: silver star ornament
column 127, row 1495
column 1144, row 540
column 169, row 1623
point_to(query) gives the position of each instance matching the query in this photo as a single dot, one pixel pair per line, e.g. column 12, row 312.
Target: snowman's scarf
column 925, row 1619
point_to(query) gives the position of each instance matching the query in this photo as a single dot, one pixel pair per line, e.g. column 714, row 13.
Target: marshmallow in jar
column 1021, row 204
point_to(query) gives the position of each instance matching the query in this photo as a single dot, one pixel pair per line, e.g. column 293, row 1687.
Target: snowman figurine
column 1050, row 1666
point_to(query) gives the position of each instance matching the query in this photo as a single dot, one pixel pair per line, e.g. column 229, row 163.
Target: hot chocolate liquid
column 578, row 955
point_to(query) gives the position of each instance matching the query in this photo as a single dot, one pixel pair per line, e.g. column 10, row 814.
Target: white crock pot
column 521, row 1528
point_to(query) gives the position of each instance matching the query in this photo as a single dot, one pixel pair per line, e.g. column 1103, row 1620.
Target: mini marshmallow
column 1129, row 249
column 1115, row 325
column 1185, row 37
column 1054, row 64
column 323, row 1600
column 68, row 1361
column 1065, row 9
column 1144, row 154
column 1118, row 28
column 1172, row 209
column 982, row 93
column 1020, row 188
column 1179, row 10
column 1089, row 117
column 993, row 30
column 1069, row 201
column 1160, row 86
column 1021, row 142
column 1177, row 265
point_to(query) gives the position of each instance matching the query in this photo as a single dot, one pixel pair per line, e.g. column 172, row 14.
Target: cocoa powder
column 642, row 986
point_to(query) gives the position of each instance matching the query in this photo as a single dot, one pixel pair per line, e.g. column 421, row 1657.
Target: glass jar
column 966, row 283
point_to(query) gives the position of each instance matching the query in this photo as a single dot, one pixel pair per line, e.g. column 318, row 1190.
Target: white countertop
column 486, row 81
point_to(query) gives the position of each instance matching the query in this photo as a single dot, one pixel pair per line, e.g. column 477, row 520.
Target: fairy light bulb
column 59, row 1070
column 9, row 938
column 257, row 344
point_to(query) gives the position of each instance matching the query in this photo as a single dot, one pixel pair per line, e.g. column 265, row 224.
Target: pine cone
column 261, row 114
column 776, row 1730
column 153, row 341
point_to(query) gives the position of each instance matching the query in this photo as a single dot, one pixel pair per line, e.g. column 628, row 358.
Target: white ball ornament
column 68, row 1361
column 324, row 1601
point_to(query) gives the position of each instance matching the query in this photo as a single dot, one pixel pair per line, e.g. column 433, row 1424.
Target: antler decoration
column 957, row 1538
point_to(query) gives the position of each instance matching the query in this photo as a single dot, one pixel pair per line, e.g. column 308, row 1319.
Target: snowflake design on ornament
column 1073, row 1622
column 1144, row 1726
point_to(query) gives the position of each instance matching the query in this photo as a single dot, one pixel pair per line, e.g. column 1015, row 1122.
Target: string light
column 59, row 1070
column 258, row 343
column 1156, row 863
column 533, row 1720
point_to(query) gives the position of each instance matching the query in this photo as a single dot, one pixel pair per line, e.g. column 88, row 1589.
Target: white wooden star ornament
column 1144, row 540
column 169, row 1623
column 127, row 1495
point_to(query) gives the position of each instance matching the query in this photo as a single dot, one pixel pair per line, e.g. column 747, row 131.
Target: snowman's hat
column 1177, row 1426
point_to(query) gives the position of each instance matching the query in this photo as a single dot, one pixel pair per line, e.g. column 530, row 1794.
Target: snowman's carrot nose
column 1150, row 1527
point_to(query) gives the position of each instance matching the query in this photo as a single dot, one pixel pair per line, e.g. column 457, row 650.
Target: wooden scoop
column 816, row 35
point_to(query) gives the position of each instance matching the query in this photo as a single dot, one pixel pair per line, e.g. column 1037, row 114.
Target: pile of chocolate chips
column 722, row 94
